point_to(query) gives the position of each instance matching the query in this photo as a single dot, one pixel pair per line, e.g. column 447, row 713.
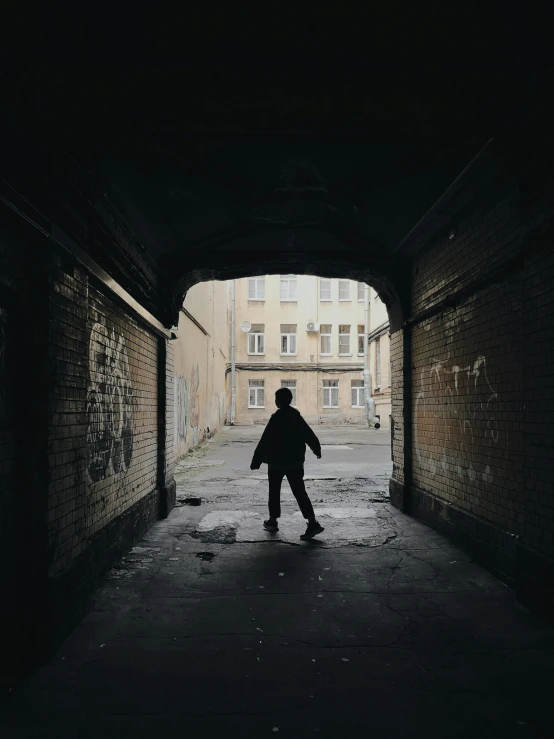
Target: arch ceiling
column 177, row 148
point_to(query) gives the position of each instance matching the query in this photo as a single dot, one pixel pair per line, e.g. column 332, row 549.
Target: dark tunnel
column 144, row 157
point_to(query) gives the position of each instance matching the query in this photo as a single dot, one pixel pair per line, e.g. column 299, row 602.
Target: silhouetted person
column 283, row 448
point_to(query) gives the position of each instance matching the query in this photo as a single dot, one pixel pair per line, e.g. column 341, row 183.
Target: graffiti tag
column 187, row 406
column 181, row 407
column 455, row 409
column 110, row 405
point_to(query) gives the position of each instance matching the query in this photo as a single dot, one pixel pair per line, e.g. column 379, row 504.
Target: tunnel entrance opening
column 237, row 343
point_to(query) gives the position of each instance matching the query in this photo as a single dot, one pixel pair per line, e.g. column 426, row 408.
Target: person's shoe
column 270, row 525
column 312, row 530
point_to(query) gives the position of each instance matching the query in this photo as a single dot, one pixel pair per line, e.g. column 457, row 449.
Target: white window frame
column 349, row 298
column 288, row 280
column 323, row 334
column 349, row 334
column 291, row 338
column 328, row 393
column 361, row 285
column 321, row 298
column 359, row 390
column 291, row 385
column 259, row 338
column 258, row 388
column 259, row 288
column 362, row 335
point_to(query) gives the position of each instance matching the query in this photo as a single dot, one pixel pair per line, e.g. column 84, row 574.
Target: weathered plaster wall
column 381, row 390
column 201, row 354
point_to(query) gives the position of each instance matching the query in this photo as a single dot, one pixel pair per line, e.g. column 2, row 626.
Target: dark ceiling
column 185, row 135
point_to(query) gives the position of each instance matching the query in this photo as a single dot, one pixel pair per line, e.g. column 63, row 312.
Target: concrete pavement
column 213, row 627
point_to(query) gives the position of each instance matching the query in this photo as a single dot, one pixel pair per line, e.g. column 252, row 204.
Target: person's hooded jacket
column 284, row 440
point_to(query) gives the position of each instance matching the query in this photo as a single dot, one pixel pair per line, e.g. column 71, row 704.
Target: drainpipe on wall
column 233, row 376
column 368, row 399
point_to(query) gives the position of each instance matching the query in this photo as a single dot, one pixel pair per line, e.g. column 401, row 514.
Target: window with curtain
column 330, row 393
column 256, row 339
column 288, row 338
column 325, row 339
column 256, row 398
column 361, row 337
column 344, row 340
column 357, row 390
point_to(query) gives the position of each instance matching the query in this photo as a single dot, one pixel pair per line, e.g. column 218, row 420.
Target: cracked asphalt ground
column 212, row 627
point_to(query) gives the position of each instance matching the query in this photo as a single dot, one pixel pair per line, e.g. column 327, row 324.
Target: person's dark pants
column 296, row 482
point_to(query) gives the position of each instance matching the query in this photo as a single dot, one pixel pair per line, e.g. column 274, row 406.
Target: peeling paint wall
column 201, row 355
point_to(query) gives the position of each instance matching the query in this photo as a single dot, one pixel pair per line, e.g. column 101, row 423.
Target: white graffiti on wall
column 181, row 407
column 110, row 405
column 455, row 413
column 187, row 406
column 194, row 403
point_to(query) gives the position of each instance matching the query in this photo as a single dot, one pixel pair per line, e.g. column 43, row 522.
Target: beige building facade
column 201, row 357
column 379, row 358
column 305, row 333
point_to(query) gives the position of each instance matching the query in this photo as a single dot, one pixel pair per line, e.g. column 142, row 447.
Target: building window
column 256, row 343
column 325, row 289
column 291, row 384
column 256, row 394
column 377, row 363
column 344, row 341
column 256, row 288
column 288, row 338
column 330, row 393
column 357, row 393
column 325, row 338
column 361, row 290
column 361, row 337
column 288, row 287
column 344, row 289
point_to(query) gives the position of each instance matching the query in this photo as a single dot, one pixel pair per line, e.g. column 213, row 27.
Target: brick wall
column 169, row 461
column 397, row 416
column 102, row 445
column 482, row 404
column 86, row 414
